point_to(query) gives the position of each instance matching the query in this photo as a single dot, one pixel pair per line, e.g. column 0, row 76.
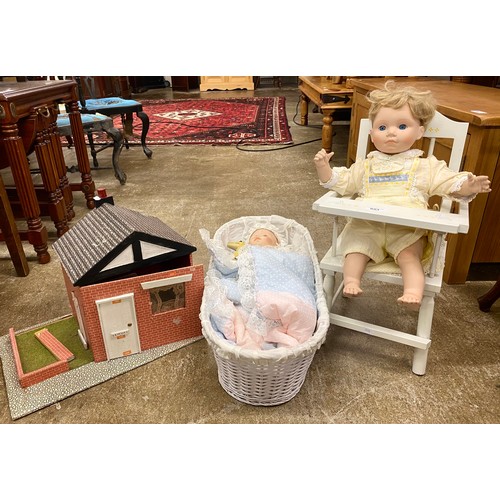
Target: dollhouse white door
column 81, row 330
column 119, row 325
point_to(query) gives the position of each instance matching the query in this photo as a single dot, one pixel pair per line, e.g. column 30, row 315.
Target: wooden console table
column 480, row 107
column 28, row 114
column 329, row 97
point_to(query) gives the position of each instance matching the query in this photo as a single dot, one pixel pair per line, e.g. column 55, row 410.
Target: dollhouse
column 131, row 282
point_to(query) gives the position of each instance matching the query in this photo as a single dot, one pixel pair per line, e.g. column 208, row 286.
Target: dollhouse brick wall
column 154, row 329
column 36, row 376
column 44, row 373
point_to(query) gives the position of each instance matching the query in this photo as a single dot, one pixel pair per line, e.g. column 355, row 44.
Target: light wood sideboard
column 480, row 107
column 226, row 83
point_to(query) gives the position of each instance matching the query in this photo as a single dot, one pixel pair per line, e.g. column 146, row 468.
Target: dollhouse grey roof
column 111, row 241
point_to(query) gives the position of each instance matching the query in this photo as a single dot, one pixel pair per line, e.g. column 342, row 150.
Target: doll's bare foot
column 410, row 301
column 352, row 290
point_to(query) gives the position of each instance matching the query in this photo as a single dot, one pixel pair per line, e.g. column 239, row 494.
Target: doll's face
column 395, row 130
column 263, row 238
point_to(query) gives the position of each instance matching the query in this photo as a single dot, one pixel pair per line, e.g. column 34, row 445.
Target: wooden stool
column 10, row 234
column 93, row 124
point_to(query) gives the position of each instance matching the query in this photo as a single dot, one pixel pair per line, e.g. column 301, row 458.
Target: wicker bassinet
column 270, row 377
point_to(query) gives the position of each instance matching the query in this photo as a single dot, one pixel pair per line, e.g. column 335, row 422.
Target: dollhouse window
column 167, row 294
column 168, row 298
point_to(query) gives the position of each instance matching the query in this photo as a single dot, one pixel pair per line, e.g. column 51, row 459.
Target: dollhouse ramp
column 54, row 346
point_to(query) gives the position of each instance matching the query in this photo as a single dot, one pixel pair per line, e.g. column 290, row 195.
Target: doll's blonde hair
column 421, row 102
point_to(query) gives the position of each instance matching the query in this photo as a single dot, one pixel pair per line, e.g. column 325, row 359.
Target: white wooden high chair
column 440, row 221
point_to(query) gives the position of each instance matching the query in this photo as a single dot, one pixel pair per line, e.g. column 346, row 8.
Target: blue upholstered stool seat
column 91, row 123
column 114, row 104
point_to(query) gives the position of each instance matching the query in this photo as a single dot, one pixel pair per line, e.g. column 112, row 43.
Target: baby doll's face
column 395, row 130
column 263, row 238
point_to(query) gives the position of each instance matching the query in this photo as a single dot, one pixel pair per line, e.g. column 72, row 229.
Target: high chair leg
column 424, row 331
column 329, row 288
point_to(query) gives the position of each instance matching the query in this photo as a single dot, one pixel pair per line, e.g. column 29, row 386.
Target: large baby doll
column 395, row 174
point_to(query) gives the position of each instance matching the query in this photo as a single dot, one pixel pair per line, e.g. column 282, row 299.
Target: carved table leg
column 327, row 131
column 304, row 109
column 56, row 205
column 37, row 232
column 87, row 185
column 61, row 169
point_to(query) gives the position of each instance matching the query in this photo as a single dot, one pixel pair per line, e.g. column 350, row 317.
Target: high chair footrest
column 380, row 331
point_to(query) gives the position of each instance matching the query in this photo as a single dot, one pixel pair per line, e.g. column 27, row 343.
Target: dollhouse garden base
column 23, row 401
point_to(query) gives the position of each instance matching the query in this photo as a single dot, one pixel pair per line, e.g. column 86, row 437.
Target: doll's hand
column 476, row 184
column 322, row 158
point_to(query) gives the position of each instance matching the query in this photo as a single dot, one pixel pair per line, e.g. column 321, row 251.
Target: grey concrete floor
column 354, row 378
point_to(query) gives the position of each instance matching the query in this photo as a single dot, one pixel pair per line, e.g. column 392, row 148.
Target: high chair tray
column 331, row 203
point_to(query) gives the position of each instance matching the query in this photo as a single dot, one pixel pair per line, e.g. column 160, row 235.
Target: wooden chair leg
column 11, row 235
column 489, row 298
column 117, row 138
column 92, row 150
column 145, row 128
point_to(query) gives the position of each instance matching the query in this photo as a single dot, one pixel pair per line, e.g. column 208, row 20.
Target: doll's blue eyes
column 401, row 127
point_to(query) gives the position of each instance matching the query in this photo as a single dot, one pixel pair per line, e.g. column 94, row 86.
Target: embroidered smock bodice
column 403, row 179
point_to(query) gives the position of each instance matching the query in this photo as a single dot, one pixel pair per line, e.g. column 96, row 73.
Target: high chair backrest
column 440, row 127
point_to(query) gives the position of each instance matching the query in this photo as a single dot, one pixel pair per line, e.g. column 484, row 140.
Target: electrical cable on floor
column 238, row 146
column 241, row 143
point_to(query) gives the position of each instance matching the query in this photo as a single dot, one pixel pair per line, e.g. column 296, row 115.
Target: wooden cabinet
column 480, row 107
column 185, row 83
column 226, row 83
column 143, row 83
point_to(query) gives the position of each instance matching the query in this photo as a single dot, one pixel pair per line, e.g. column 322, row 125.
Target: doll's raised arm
column 321, row 161
column 474, row 184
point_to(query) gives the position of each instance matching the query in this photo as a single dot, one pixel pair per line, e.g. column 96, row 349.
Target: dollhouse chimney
column 102, row 197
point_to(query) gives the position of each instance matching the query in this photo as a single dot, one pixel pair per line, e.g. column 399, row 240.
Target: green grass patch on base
column 34, row 355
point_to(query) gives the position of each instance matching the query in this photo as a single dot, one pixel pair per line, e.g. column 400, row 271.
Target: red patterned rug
column 250, row 120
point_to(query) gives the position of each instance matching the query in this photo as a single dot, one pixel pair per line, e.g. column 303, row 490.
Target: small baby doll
column 394, row 174
column 261, row 237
